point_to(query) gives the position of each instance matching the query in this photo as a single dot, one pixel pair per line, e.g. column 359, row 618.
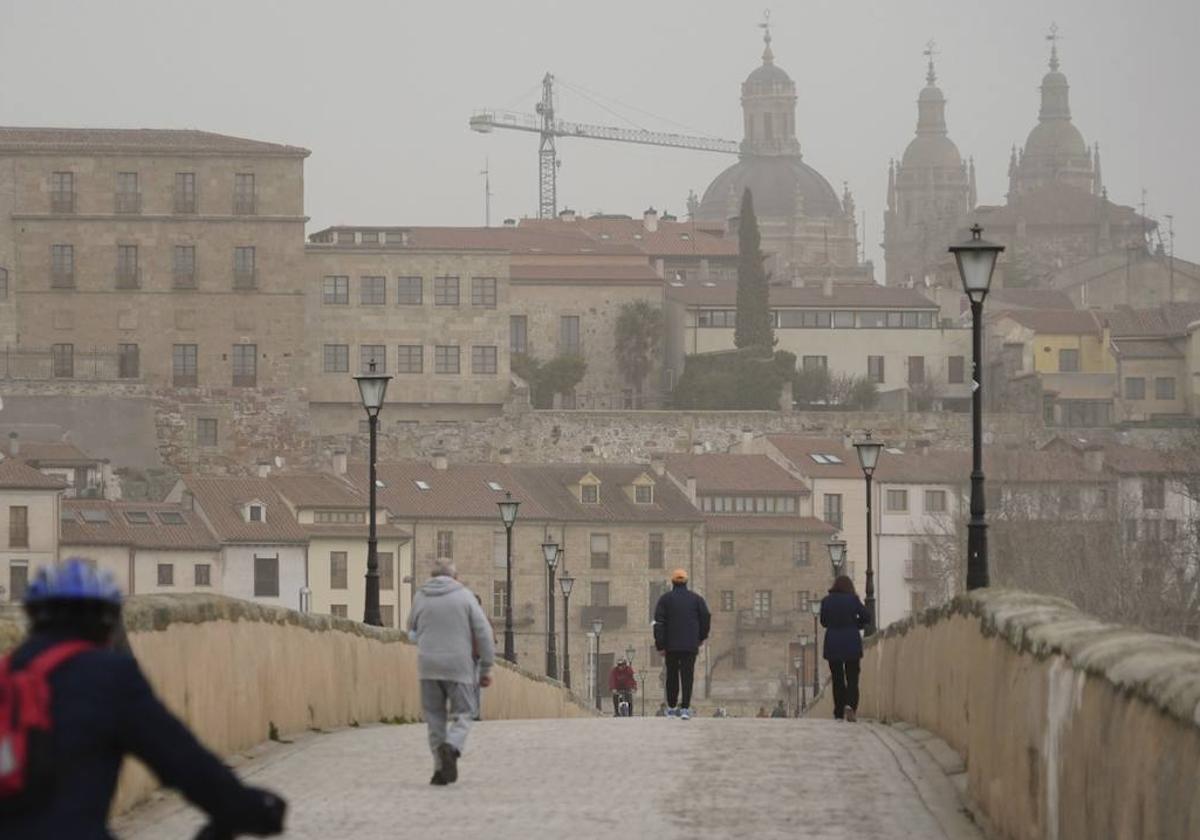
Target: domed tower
column 930, row 193
column 807, row 230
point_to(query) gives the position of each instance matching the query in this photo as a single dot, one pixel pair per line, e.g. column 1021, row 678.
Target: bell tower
column 769, row 106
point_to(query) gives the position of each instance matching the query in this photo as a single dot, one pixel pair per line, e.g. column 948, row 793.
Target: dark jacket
column 103, row 709
column 843, row 615
column 681, row 621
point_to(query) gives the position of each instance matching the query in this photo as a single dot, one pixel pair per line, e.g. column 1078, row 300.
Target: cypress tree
column 753, row 327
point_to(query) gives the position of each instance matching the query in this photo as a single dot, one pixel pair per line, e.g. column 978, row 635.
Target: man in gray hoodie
column 449, row 626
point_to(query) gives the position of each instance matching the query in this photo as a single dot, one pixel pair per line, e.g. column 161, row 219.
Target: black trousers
column 845, row 685
column 681, row 672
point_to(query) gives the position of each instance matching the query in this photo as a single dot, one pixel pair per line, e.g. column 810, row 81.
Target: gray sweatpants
column 449, row 707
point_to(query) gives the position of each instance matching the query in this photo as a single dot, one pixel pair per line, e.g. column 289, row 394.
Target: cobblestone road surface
column 601, row 778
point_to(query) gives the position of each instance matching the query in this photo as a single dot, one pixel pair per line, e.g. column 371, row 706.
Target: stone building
column 31, row 505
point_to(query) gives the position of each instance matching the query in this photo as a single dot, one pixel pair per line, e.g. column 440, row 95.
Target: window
column 718, row 318
column 338, row 571
column 1170, row 529
column 62, row 192
column 483, row 359
column 802, row 599
column 916, row 370
column 762, row 603
column 568, row 336
column 1152, row 530
column 245, row 365
column 183, row 266
column 206, row 431
column 800, row 553
column 875, row 369
column 62, row 361
column 3, row 284
column 833, row 509
column 183, row 365
column 1154, row 491
column 243, row 267
column 518, row 334
column 387, row 615
column 1164, row 388
column 410, row 291
column 1068, row 361
column 445, row 359
column 445, row 544
column 655, row 551
column 128, row 199
column 243, row 194
column 185, row 192
column 599, row 593
column 18, row 579
column 372, row 291
column 337, row 358
column 726, row 553
column 1086, row 413
column 339, row 611
column 1131, row 530
column 266, row 577
column 369, row 354
column 127, row 361
column 483, row 292
column 955, row 370
column 499, row 549
column 814, row 363
column 410, row 358
column 340, row 517
column 138, row 517
column 387, row 569
column 589, row 494
column 127, row 267
column 202, row 574
column 843, row 320
column 18, row 526
column 499, row 596
column 726, row 600
column 657, row 589
column 598, row 545
column 62, row 266
column 445, row 291
column 166, row 574
column 643, row 494
column 1135, row 388
column 897, row 501
column 335, row 290
column 935, row 501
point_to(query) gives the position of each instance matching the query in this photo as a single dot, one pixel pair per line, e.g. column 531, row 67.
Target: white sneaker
column 672, row 713
column 685, row 714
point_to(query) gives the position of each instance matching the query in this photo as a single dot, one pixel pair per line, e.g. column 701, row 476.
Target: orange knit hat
column 679, row 576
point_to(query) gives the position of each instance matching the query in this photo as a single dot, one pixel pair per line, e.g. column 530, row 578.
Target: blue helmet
column 73, row 580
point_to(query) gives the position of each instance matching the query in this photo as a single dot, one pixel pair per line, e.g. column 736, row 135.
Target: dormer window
column 643, row 494
column 589, row 494
column 255, row 511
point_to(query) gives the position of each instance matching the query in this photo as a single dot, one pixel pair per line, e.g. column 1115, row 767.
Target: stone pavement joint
column 602, row 778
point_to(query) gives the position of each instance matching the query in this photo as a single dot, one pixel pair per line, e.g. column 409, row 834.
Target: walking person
column 843, row 616
column 681, row 625
column 622, row 682
column 449, row 626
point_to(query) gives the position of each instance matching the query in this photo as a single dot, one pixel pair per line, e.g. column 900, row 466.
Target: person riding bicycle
column 102, row 709
column 622, row 682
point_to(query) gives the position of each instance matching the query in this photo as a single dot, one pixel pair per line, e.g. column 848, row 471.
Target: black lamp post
column 803, row 672
column 551, row 552
column 816, row 611
column 976, row 260
column 630, row 650
column 565, row 583
column 372, row 387
column 868, row 458
column 508, row 514
column 597, row 626
column 837, row 556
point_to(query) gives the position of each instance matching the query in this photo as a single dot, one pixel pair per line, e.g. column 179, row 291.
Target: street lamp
column 565, row 583
column 976, row 260
column 597, row 626
column 868, row 458
column 815, row 606
column 372, row 387
column 837, row 556
column 803, row 672
column 508, row 514
column 630, row 650
column 550, row 551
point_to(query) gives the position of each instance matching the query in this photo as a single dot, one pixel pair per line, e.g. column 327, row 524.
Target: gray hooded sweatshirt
column 449, row 626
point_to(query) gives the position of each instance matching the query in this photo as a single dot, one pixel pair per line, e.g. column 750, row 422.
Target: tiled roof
column 46, row 453
column 845, row 295
column 1167, row 320
column 550, row 485
column 671, row 239
column 721, row 472
column 17, row 475
column 640, row 273
column 931, row 466
column 799, row 451
column 460, row 491
column 716, row 524
column 1146, row 348
column 513, row 239
column 337, row 531
column 312, row 490
column 76, row 530
column 1122, row 459
column 136, row 140
column 221, row 500
column 1057, row 321
column 1000, row 299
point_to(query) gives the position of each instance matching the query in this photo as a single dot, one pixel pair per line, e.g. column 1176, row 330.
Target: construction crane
column 550, row 128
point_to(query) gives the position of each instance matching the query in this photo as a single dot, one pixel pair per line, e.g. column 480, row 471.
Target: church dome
column 1055, row 139
column 768, row 74
column 934, row 151
column 775, row 183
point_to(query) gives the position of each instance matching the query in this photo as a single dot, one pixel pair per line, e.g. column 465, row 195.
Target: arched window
column 3, row 284
column 768, row 128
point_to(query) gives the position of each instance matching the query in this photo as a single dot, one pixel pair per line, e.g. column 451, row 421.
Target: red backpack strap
column 49, row 659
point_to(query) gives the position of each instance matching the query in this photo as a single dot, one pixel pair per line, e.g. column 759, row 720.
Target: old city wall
column 234, row 670
column 1070, row 728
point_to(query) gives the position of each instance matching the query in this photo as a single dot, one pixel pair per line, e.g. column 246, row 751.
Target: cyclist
column 622, row 682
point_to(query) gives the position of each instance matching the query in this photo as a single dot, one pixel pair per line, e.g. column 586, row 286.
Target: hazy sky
column 381, row 91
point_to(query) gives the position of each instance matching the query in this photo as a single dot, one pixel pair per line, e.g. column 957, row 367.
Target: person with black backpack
column 71, row 708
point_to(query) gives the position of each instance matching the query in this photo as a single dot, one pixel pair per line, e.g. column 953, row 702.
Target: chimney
column 697, row 447
column 847, row 441
column 1093, row 459
column 505, row 456
column 566, row 215
column 827, row 286
column 650, row 220
column 439, row 461
column 510, row 222
column 14, row 444
column 747, row 435
column 691, row 488
column 669, row 217
column 339, row 462
column 658, row 465
column 264, row 469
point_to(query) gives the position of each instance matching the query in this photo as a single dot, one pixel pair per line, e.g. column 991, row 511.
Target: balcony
column 244, row 281
column 62, row 202
column 244, row 205
column 129, row 278
column 769, row 623
column 614, row 618
column 128, row 202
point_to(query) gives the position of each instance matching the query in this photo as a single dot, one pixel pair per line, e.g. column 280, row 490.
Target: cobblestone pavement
column 601, row 778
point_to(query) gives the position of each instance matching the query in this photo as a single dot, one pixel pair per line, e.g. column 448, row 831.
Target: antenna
column 1170, row 217
column 1142, row 209
column 487, row 193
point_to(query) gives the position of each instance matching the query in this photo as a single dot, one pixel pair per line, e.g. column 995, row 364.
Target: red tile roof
column 222, row 499
column 47, row 453
column 1122, row 459
column 137, row 141
column 514, row 240
column 845, row 295
column 312, row 490
column 550, row 485
column 1146, row 348
column 190, row 534
column 671, row 239
column 460, row 491
column 639, row 274
column 799, row 451
column 720, row 472
column 1167, row 320
column 718, row 524
column 999, row 299
column 17, row 475
column 1057, row 321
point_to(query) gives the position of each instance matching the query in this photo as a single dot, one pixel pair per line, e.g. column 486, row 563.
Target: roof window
column 422, row 485
column 94, row 516
column 137, row 517
column 891, row 450
column 825, row 458
column 494, row 485
column 170, row 517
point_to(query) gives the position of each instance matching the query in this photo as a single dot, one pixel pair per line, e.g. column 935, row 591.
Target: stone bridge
column 1000, row 715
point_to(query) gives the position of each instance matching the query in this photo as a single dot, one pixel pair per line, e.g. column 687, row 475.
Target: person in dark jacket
column 681, row 624
column 843, row 616
column 103, row 709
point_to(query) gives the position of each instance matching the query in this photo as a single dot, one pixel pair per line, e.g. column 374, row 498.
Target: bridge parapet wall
column 1071, row 729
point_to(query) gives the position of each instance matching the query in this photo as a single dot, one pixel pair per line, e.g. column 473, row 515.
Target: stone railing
column 238, row 673
column 1071, row 729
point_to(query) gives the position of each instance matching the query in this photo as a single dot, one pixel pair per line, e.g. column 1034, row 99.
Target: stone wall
column 1071, row 729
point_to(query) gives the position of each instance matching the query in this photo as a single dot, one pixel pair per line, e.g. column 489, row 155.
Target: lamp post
column 976, row 260
column 837, row 556
column 868, row 458
column 597, row 626
column 815, row 606
column 796, row 663
column 551, row 552
column 508, row 514
column 803, row 672
column 372, row 387
column 565, row 583
column 630, row 650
